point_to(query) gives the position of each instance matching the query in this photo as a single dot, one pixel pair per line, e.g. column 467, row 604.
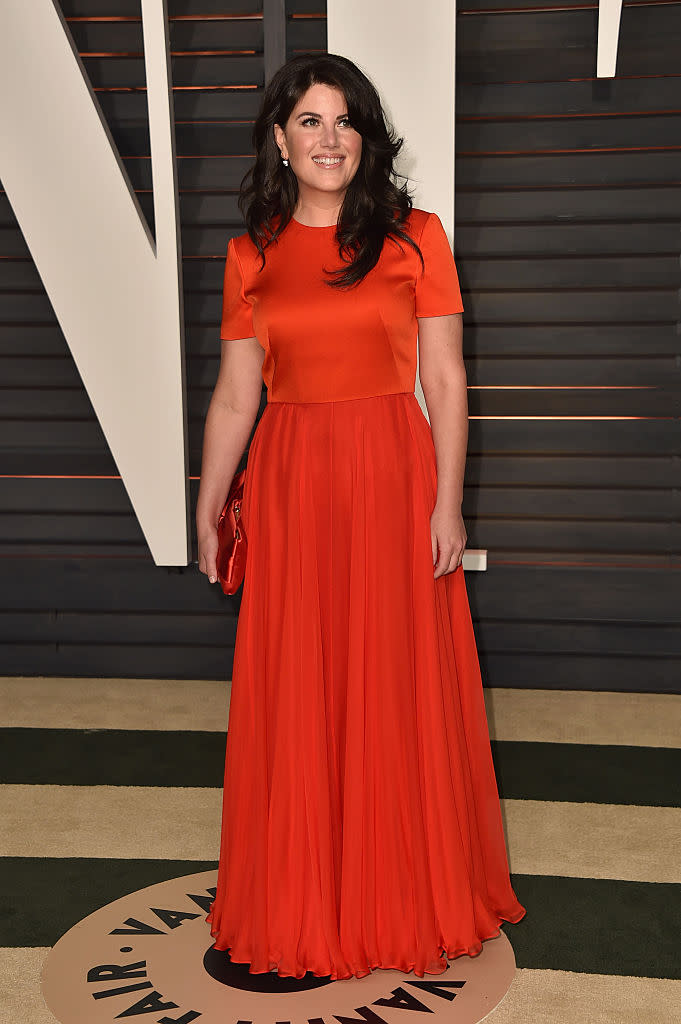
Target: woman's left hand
column 448, row 538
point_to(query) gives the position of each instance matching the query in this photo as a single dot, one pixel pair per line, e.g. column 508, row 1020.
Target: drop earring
column 284, row 161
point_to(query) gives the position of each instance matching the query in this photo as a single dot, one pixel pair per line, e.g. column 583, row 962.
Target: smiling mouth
column 328, row 162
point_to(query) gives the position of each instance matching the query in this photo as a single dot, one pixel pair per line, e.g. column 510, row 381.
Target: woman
column 361, row 822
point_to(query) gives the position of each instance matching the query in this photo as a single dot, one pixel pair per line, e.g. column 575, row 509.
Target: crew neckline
column 314, row 227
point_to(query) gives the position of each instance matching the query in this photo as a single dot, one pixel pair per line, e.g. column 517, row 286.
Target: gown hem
column 443, row 956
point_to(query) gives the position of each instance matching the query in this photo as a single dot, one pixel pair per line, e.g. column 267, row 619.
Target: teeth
column 327, row 161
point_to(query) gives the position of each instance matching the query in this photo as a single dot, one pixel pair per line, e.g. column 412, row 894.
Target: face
column 322, row 148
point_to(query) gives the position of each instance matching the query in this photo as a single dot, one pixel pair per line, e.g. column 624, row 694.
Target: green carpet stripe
column 647, row 776
column 42, row 897
column 111, row 757
column 592, row 926
column 598, row 926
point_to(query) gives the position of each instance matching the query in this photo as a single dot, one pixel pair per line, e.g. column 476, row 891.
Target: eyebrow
column 311, row 113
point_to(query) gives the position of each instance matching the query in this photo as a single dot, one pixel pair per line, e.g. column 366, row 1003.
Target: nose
column 330, row 135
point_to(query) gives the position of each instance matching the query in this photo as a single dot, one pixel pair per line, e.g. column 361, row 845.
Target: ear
column 280, row 139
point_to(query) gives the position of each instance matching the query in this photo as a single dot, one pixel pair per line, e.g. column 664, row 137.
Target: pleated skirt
column 361, row 824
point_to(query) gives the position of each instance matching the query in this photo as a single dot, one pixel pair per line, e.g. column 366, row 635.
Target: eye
column 314, row 120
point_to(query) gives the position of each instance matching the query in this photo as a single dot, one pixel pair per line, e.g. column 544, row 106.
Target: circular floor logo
column 149, row 955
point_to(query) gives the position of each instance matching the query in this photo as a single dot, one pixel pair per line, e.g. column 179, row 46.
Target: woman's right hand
column 208, row 552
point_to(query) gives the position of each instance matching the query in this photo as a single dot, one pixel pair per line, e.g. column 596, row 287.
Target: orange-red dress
column 361, row 823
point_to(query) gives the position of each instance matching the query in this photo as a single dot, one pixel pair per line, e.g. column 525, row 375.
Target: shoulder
column 246, row 250
column 243, row 245
column 243, row 255
column 417, row 220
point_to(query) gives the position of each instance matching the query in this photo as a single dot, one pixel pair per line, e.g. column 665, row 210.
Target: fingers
column 448, row 566
column 448, row 537
column 449, row 560
column 207, row 565
column 211, row 569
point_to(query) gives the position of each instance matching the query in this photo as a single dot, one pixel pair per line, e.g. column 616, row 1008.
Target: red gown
column 361, row 823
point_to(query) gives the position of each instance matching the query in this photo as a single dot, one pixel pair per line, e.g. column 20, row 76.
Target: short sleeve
column 437, row 286
column 237, row 311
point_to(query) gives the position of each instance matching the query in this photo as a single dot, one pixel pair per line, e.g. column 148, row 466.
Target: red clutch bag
column 231, row 560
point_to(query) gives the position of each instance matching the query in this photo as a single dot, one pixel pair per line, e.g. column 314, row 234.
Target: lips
column 328, row 161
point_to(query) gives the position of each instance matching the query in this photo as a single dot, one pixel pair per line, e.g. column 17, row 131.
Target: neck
column 317, row 215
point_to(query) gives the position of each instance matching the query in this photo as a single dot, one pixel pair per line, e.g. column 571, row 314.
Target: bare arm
column 443, row 378
column 229, row 421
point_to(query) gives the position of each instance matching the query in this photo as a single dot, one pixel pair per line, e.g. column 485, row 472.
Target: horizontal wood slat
column 563, row 240
column 565, row 97
column 493, row 371
column 554, row 341
column 487, row 437
column 564, row 205
column 504, row 593
column 582, row 672
column 62, row 469
column 38, row 498
column 644, row 167
column 618, row 132
column 645, row 248
column 109, row 535
column 219, row 630
column 66, row 405
column 144, row 660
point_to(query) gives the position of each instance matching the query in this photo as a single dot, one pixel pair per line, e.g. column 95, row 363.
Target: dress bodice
column 327, row 344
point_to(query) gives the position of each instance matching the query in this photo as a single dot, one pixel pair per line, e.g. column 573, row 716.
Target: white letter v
column 116, row 294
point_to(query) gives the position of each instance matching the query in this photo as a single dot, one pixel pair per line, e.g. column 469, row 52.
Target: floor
column 109, row 785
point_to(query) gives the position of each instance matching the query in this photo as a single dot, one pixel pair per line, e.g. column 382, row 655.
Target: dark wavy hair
column 374, row 207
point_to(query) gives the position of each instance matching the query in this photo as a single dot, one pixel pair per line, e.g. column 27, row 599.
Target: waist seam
column 337, row 401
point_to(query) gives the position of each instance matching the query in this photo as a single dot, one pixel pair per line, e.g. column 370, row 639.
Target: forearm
column 225, row 437
column 447, row 402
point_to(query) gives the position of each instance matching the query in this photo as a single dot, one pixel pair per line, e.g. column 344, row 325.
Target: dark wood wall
column 567, row 243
